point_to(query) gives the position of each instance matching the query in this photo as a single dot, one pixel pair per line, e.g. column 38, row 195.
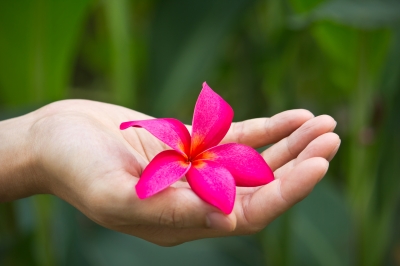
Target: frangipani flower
column 213, row 172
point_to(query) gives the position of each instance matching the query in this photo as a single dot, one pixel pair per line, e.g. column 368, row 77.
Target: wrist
column 18, row 175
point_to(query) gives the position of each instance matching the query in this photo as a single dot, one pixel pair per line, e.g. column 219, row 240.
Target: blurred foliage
column 336, row 57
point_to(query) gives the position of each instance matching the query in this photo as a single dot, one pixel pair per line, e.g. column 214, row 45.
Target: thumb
column 181, row 208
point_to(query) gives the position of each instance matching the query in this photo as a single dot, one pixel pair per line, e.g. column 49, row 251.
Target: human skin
column 74, row 150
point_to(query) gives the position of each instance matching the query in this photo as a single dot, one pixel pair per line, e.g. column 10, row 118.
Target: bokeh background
column 340, row 58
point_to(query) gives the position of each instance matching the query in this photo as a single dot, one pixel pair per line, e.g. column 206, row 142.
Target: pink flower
column 213, row 172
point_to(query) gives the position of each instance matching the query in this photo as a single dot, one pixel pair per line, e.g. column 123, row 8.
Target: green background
column 340, row 58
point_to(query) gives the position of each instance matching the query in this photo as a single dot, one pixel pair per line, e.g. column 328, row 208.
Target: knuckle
column 252, row 226
column 267, row 127
column 171, row 217
column 238, row 130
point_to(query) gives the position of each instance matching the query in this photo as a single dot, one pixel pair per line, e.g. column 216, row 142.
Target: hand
column 82, row 157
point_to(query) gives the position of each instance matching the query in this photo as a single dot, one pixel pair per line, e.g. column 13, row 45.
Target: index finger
column 259, row 132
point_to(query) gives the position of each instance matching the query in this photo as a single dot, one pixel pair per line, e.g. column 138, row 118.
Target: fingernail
column 218, row 221
column 333, row 153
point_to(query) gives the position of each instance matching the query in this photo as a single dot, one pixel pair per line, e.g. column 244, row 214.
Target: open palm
column 86, row 160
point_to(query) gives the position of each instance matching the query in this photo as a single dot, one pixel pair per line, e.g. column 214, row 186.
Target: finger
column 262, row 207
column 324, row 146
column 259, row 132
column 289, row 148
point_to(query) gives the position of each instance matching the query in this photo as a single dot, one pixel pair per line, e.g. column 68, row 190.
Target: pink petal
column 169, row 130
column 213, row 183
column 165, row 169
column 211, row 120
column 245, row 164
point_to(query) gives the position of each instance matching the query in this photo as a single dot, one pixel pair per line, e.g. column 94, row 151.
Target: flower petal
column 211, row 120
column 213, row 183
column 169, row 130
column 245, row 164
column 166, row 168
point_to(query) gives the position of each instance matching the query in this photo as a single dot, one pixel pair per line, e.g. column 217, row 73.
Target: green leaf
column 185, row 53
column 358, row 14
column 319, row 230
column 122, row 74
column 37, row 42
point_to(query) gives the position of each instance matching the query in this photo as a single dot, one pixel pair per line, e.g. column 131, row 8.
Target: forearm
column 17, row 163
